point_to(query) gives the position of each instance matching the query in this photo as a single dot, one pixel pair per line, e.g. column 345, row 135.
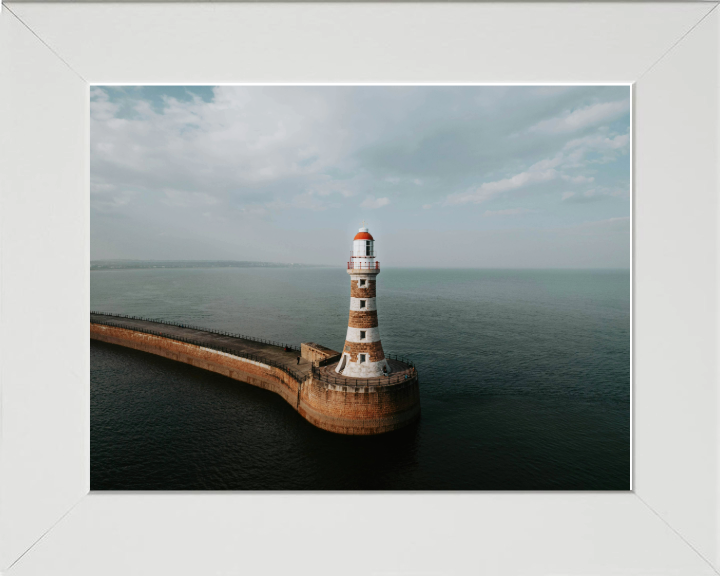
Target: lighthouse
column 363, row 355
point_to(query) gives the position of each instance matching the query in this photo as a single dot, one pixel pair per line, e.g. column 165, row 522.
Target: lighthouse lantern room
column 363, row 355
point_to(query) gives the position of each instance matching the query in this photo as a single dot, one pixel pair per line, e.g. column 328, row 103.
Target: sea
column 524, row 382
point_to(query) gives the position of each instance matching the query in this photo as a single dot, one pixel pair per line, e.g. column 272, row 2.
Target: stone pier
column 344, row 405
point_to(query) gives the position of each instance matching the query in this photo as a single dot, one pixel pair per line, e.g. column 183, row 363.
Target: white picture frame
column 50, row 53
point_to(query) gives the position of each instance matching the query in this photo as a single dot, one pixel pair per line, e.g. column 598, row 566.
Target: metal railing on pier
column 256, row 358
column 212, row 330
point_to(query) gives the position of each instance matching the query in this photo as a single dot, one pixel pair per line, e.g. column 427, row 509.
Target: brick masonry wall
column 357, row 292
column 377, row 410
column 373, row 349
column 374, row 410
column 363, row 319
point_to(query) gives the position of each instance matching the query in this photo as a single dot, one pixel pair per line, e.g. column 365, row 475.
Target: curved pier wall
column 360, row 410
column 343, row 409
column 242, row 369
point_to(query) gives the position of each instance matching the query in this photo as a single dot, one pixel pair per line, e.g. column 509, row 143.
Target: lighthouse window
column 362, row 358
column 362, row 282
column 367, row 248
column 362, row 303
column 362, row 334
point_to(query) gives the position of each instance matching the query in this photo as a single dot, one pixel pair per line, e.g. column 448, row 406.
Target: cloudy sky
column 479, row 176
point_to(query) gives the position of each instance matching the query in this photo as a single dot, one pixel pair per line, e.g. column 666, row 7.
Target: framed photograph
column 475, row 337
column 594, row 112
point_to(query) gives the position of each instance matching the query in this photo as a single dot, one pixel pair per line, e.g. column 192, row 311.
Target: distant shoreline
column 179, row 264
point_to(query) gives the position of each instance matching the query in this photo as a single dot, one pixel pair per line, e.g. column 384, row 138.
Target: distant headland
column 125, row 264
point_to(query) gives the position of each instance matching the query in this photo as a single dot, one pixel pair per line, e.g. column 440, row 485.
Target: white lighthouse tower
column 363, row 355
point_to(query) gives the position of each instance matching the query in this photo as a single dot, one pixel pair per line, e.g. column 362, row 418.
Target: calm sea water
column 524, row 380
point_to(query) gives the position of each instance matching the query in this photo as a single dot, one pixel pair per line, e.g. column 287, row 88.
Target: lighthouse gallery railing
column 404, row 376
column 363, row 266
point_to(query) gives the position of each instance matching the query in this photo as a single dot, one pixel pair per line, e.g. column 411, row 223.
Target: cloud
column 324, row 185
column 243, row 145
column 372, row 202
column 187, row 199
column 304, row 201
column 577, row 179
column 269, row 144
column 308, row 201
column 592, row 195
column 255, row 209
column 507, row 212
column 617, row 223
column 592, row 115
column 111, row 201
column 101, row 109
column 398, row 180
column 220, row 166
column 604, row 148
column 573, row 198
column 539, row 172
column 573, row 155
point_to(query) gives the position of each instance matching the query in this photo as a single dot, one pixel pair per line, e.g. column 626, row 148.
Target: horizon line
column 290, row 264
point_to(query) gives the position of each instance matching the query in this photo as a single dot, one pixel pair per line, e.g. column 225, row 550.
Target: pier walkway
column 216, row 339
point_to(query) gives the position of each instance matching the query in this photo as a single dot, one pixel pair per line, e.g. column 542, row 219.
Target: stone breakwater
column 353, row 406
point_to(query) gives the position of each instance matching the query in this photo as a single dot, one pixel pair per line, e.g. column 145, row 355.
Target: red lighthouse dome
column 363, row 236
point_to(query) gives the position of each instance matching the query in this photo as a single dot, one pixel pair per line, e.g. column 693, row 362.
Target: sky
column 443, row 176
